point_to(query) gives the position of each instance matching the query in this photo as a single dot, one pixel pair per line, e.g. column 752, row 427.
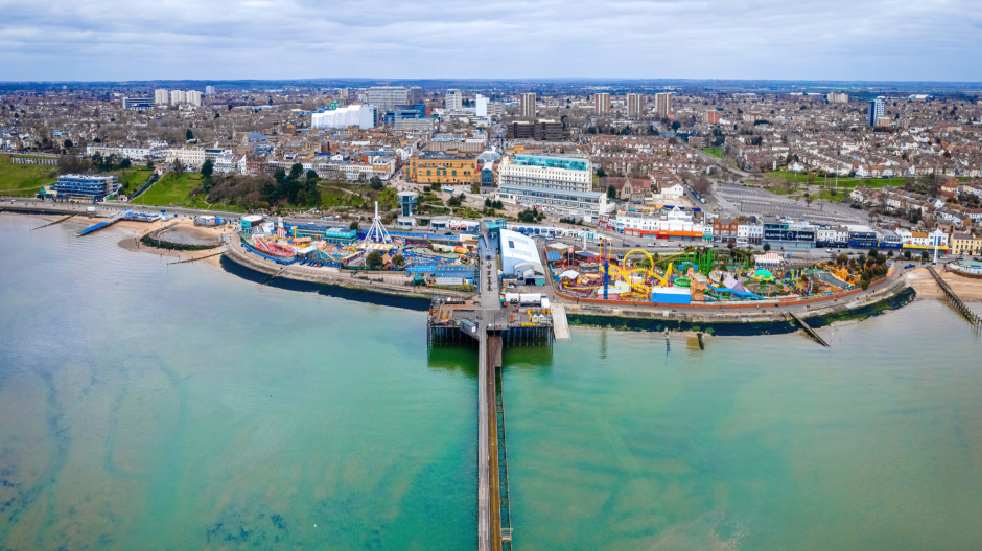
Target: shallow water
column 147, row 406
column 617, row 442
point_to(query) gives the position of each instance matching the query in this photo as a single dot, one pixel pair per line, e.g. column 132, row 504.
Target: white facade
column 193, row 97
column 481, row 106
column 453, row 101
column 558, row 184
column 189, row 157
column 362, row 116
column 676, row 221
column 160, row 96
column 131, row 153
column 177, row 97
column 518, row 253
column 751, row 233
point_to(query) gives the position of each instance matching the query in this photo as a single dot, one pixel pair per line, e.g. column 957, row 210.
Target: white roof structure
column 768, row 259
column 518, row 253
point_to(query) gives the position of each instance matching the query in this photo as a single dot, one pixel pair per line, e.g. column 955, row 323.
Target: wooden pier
column 489, row 323
column 956, row 301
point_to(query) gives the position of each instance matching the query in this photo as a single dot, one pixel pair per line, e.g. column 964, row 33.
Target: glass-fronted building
column 75, row 186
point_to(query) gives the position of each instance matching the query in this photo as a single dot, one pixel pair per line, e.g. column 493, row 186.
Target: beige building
column 528, row 105
column 966, row 243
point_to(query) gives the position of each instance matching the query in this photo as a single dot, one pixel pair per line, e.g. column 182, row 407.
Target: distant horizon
column 487, row 79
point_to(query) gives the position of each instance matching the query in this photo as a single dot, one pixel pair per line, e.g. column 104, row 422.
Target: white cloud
column 835, row 39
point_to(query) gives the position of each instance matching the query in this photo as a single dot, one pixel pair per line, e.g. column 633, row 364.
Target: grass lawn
column 783, row 175
column 24, row 180
column 132, row 179
column 713, row 152
column 175, row 190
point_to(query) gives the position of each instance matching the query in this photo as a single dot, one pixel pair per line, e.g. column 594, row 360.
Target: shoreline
column 384, row 291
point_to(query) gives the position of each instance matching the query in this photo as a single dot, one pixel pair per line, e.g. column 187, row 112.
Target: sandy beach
column 969, row 289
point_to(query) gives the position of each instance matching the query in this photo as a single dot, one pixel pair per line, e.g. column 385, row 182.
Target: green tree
column 374, row 260
column 398, row 261
column 207, row 169
column 376, row 182
column 296, row 171
column 188, row 135
column 68, row 144
column 611, row 193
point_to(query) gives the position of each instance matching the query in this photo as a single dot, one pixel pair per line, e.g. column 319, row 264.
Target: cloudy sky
column 273, row 39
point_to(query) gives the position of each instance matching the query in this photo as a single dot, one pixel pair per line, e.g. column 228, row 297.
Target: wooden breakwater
column 955, row 301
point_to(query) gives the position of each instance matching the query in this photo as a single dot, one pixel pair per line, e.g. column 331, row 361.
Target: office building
column 562, row 185
column 75, row 186
column 527, row 100
column 441, row 168
column 160, row 96
column 362, row 116
column 481, row 106
column 453, row 101
column 635, row 105
column 875, row 111
column 404, row 112
column 663, row 104
column 137, row 102
column 386, row 98
column 541, row 129
column 601, row 103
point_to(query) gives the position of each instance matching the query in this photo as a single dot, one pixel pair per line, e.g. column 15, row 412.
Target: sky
column 94, row 40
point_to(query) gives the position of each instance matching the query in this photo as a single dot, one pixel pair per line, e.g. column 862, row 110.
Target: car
column 828, row 251
column 909, row 266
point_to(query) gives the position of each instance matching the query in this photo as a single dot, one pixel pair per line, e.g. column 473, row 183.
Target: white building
column 362, row 116
column 131, row 153
column 191, row 158
column 750, row 233
column 481, row 106
column 518, row 253
column 160, row 96
column 562, row 185
column 453, row 101
column 675, row 223
column 178, row 97
column 193, row 97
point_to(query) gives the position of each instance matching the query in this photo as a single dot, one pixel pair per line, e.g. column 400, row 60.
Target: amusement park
column 444, row 260
column 694, row 275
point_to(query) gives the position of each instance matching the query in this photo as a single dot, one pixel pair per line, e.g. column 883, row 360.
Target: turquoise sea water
column 146, row 406
column 773, row 443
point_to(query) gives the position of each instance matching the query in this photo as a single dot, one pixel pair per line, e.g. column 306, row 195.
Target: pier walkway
column 491, row 323
column 560, row 326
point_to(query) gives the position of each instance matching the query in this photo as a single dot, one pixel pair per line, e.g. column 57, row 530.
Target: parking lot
column 737, row 200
